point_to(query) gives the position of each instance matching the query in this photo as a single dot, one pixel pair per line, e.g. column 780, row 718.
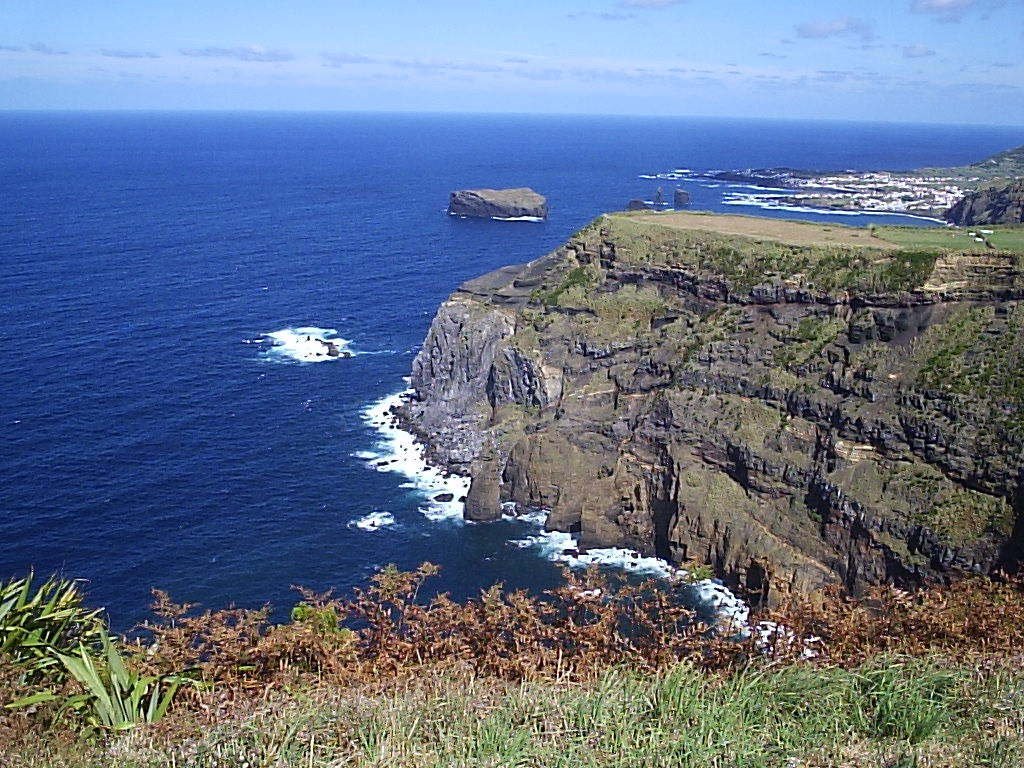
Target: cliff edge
column 791, row 404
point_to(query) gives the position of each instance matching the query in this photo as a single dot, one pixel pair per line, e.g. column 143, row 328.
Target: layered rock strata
column 791, row 415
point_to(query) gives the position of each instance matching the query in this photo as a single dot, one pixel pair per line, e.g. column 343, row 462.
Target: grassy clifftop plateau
column 789, row 404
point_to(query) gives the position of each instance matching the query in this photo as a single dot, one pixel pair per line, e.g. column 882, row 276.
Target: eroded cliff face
column 792, row 415
column 997, row 204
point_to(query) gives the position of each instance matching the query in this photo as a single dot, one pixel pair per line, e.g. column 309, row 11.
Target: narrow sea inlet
column 148, row 445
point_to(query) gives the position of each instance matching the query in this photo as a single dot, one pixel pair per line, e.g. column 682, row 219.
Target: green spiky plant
column 39, row 622
column 116, row 697
column 46, row 632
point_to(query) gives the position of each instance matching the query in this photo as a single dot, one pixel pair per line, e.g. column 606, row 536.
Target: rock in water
column 518, row 203
column 997, row 204
column 680, row 199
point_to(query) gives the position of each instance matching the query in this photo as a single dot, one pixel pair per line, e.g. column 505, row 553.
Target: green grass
column 955, row 239
column 965, row 515
column 578, row 277
column 1007, row 238
column 746, row 262
column 810, row 337
column 889, row 710
column 960, row 356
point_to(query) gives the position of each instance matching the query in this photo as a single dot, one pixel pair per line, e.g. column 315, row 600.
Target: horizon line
column 484, row 113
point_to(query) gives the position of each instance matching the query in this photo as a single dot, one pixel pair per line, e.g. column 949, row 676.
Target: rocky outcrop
column 792, row 416
column 498, row 203
column 998, row 204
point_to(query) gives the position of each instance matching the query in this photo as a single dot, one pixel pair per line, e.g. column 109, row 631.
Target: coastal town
column 928, row 192
column 879, row 191
column 928, row 196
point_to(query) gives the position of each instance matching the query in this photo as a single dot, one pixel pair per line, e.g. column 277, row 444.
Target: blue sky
column 901, row 60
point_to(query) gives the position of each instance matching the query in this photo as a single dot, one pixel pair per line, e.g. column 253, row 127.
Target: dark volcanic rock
column 637, row 205
column 498, row 203
column 663, row 391
column 680, row 199
column 999, row 204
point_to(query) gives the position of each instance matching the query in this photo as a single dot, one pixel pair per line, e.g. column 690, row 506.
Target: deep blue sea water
column 143, row 444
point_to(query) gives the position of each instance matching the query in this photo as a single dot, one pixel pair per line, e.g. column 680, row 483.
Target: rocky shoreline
column 710, row 596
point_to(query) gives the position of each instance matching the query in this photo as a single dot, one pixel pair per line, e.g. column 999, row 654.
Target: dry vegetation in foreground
column 589, row 674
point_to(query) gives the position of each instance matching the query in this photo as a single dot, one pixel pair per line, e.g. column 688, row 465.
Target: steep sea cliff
column 792, row 405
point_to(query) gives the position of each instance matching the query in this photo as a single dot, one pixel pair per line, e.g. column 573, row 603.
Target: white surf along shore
column 398, row 451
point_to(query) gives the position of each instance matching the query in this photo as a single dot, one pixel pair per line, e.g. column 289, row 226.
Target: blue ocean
column 153, row 435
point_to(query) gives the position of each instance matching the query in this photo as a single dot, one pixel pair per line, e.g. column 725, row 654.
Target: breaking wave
column 709, row 595
column 373, row 521
column 307, row 344
column 398, row 451
column 443, row 495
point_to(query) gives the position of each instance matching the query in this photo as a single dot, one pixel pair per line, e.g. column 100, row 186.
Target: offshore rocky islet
column 793, row 410
column 508, row 204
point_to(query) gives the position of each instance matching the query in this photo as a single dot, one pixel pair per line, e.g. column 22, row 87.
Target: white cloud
column 245, row 53
column 846, row 26
column 650, row 3
column 950, row 10
column 917, row 51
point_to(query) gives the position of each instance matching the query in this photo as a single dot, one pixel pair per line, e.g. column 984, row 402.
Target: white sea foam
column 307, row 344
column 398, row 451
column 673, row 176
column 373, row 521
column 709, row 595
column 499, row 218
column 774, row 203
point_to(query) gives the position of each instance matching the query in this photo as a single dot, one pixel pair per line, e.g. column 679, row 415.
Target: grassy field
column 760, row 228
column 890, row 712
column 748, row 251
column 802, row 233
column 956, row 239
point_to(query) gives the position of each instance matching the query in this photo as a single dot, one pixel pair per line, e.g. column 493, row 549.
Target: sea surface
column 152, row 435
